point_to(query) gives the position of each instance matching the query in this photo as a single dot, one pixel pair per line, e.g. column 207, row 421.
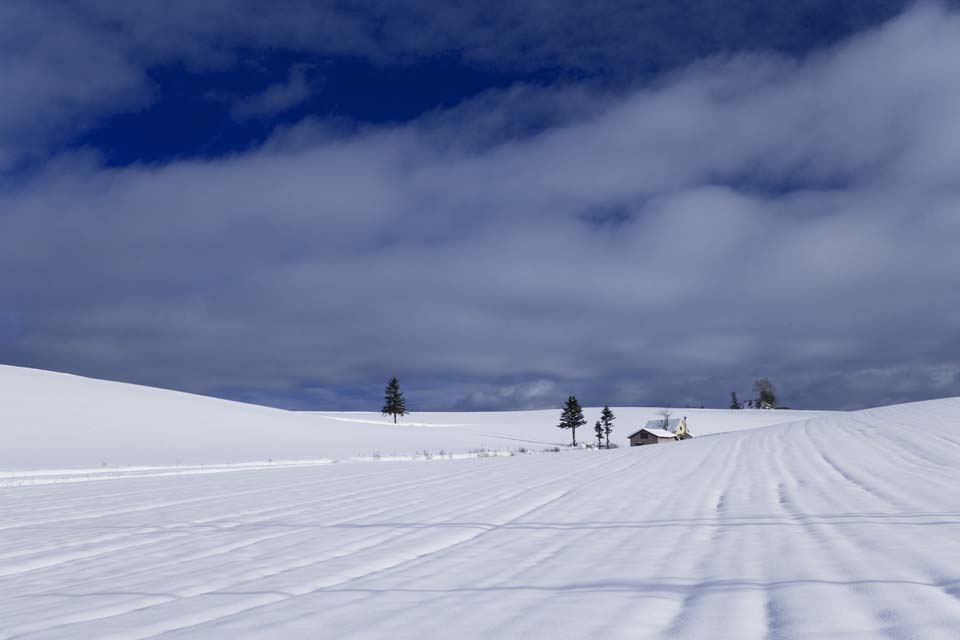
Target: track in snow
column 843, row 526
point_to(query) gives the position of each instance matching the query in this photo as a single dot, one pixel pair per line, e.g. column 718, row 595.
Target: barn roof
column 657, row 425
column 660, row 433
column 672, row 424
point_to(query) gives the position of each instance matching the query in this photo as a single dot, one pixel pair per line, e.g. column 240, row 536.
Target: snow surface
column 840, row 526
column 57, row 421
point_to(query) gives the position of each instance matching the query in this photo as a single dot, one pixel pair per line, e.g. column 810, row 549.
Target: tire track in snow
column 439, row 480
column 153, row 601
column 247, row 603
column 757, row 524
column 365, row 569
column 61, row 558
column 700, row 608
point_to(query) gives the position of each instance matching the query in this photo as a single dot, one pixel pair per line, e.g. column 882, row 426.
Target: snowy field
column 837, row 526
column 53, row 421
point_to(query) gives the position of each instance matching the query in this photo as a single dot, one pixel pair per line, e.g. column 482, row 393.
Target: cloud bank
column 750, row 214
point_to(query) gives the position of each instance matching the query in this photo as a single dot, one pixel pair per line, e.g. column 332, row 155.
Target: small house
column 651, row 436
column 658, row 431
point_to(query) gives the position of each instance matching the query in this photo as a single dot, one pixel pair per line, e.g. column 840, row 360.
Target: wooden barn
column 660, row 431
column 651, row 436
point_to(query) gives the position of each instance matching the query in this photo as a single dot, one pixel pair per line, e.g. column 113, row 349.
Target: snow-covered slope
column 841, row 526
column 53, row 420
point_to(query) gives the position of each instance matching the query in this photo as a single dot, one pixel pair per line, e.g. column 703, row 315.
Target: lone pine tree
column 393, row 402
column 598, row 428
column 572, row 417
column 606, row 420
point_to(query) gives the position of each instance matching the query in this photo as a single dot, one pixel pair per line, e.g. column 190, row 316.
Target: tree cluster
column 571, row 417
column 766, row 396
column 604, row 427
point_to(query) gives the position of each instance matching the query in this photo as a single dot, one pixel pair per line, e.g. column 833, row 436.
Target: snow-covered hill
column 839, row 526
column 57, row 421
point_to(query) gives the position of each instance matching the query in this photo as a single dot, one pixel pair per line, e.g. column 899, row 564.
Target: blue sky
column 209, row 113
column 502, row 204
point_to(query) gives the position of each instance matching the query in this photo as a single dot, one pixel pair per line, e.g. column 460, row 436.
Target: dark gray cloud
column 796, row 219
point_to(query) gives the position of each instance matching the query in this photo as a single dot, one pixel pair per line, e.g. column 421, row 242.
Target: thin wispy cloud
column 278, row 98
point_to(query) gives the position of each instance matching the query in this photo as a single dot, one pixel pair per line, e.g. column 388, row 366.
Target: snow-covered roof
column 660, row 433
column 671, row 426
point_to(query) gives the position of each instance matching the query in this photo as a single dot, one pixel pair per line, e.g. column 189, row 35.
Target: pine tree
column 734, row 403
column 572, row 417
column 598, row 429
column 606, row 419
column 393, row 402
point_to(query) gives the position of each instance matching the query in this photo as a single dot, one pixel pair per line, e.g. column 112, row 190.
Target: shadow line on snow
column 664, row 586
column 907, row 519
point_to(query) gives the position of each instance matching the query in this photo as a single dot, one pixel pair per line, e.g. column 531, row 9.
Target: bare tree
column 664, row 418
column 766, row 393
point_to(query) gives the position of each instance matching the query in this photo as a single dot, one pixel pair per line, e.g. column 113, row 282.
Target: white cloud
column 67, row 65
column 793, row 219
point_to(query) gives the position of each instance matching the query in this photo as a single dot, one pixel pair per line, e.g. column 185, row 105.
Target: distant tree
column 572, row 417
column 606, row 419
column 734, row 403
column 598, row 429
column 393, row 402
column 664, row 418
column 766, row 393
